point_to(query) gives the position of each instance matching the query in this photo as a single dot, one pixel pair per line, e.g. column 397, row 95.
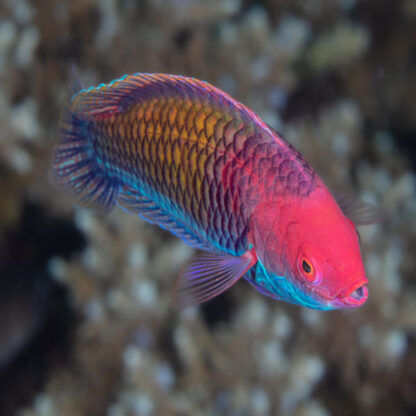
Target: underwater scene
column 207, row 207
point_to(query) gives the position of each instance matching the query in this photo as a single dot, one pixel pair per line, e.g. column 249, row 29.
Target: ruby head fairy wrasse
column 185, row 156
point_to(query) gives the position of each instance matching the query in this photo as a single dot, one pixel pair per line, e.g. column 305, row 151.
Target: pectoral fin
column 209, row 275
column 359, row 212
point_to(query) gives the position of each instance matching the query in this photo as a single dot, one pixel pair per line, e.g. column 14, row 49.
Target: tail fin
column 74, row 166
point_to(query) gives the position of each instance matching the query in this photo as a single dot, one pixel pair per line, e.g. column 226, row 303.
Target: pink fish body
column 184, row 155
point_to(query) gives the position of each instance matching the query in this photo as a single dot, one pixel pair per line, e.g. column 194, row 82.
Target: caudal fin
column 74, row 166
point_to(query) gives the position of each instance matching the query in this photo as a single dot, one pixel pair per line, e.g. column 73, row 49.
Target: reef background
column 85, row 321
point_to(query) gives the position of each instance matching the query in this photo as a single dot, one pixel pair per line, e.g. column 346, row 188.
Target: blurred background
column 85, row 321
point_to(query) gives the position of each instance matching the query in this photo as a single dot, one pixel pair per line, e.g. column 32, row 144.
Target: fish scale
column 164, row 142
column 186, row 156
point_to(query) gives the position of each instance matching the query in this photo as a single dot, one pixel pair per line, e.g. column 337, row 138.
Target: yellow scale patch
column 175, row 138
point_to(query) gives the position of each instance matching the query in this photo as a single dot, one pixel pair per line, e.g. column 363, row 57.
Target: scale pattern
column 202, row 157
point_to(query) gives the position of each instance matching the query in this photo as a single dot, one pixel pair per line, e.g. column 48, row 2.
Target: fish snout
column 354, row 296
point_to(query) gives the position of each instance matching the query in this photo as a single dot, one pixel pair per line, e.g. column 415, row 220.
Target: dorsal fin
column 118, row 95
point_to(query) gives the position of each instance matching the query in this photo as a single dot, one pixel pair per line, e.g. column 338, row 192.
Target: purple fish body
column 185, row 156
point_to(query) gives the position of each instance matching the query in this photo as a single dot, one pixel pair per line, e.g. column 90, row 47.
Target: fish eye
column 307, row 268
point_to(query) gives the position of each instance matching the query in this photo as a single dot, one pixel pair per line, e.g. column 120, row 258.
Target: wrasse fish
column 186, row 156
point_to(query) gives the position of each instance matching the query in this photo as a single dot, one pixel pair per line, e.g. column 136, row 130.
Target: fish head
column 310, row 255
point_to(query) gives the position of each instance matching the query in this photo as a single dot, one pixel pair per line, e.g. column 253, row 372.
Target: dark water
column 86, row 326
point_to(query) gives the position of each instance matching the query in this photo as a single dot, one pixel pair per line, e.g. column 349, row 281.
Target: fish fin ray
column 117, row 96
column 208, row 275
column 135, row 202
column 359, row 212
column 74, row 166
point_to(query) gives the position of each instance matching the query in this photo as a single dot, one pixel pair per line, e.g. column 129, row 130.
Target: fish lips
column 354, row 295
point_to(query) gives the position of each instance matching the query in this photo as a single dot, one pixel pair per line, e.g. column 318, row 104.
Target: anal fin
column 134, row 202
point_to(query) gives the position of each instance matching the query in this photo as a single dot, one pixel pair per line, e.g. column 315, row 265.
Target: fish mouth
column 353, row 296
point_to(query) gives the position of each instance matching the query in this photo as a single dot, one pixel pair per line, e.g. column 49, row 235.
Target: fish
column 184, row 155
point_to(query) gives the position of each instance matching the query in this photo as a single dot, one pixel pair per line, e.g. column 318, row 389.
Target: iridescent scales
column 181, row 154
